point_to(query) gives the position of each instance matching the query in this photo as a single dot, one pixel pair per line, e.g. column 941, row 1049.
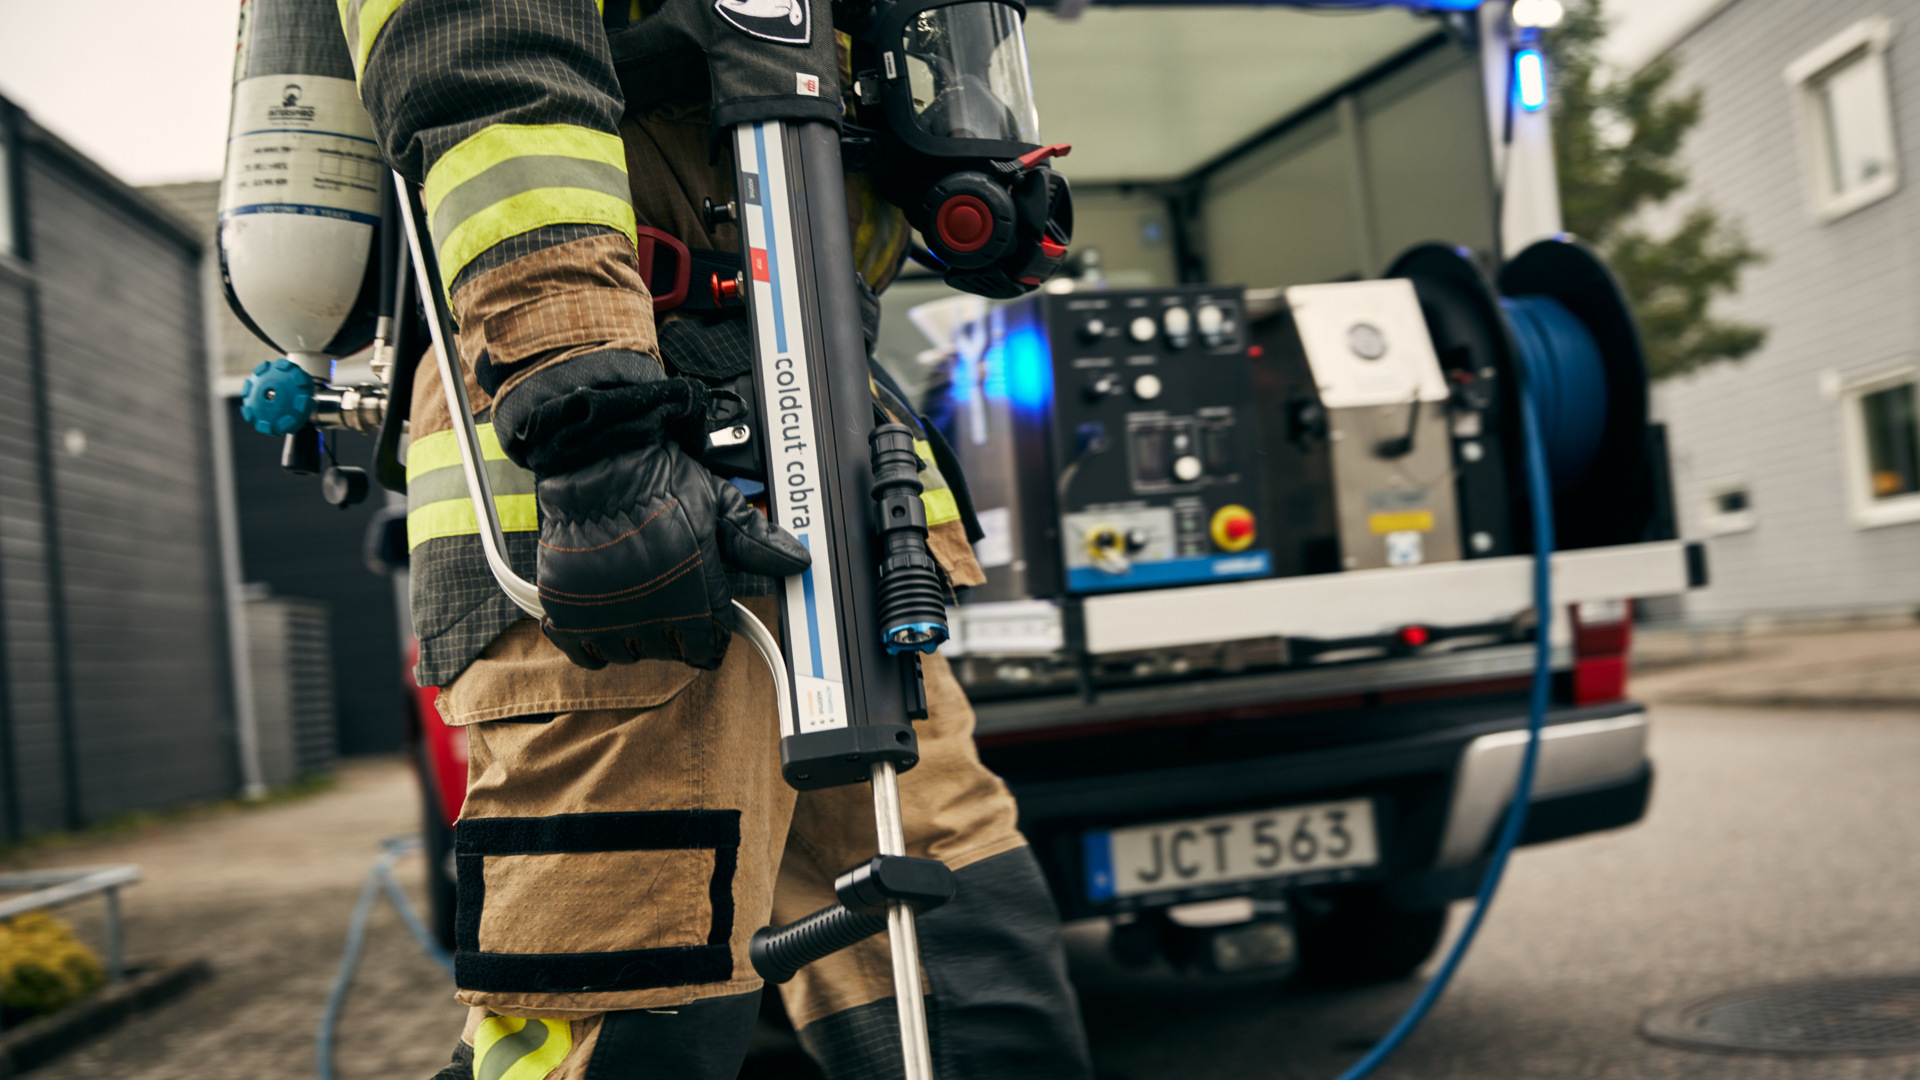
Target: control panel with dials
column 1114, row 437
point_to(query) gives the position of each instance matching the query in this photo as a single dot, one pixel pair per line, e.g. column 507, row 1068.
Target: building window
column 1881, row 417
column 1847, row 120
column 1892, row 441
column 1729, row 509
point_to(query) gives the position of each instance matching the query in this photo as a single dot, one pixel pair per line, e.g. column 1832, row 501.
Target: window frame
column 1865, row 42
column 1717, row 522
column 1867, row 511
column 12, row 199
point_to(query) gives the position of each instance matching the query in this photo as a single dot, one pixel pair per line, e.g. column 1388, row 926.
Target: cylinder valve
column 277, row 399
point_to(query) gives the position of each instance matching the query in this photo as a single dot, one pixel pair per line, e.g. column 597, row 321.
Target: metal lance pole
column 852, row 697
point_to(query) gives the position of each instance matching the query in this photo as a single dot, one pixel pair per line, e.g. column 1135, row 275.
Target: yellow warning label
column 1403, row 521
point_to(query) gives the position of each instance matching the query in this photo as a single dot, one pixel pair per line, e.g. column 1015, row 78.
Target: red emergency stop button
column 1233, row 528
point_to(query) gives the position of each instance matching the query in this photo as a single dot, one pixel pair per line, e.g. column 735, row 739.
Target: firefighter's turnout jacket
column 626, row 830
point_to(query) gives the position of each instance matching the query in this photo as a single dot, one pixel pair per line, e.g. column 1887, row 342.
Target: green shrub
column 43, row 967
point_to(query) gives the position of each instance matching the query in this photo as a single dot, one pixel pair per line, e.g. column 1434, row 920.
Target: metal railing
column 52, row 888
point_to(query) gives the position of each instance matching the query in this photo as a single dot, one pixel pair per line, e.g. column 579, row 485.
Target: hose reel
column 1558, row 325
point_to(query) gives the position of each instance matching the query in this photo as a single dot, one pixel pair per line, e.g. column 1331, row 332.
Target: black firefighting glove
column 635, row 536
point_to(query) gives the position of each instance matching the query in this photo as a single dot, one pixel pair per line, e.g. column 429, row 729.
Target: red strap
column 648, row 249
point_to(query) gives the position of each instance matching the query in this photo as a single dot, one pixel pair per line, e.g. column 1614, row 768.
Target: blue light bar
column 1414, row 5
column 1530, row 79
column 1310, row 5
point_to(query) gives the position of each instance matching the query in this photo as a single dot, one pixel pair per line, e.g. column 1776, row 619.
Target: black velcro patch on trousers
column 584, row 834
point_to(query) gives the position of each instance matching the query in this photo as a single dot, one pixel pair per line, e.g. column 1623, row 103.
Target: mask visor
column 966, row 73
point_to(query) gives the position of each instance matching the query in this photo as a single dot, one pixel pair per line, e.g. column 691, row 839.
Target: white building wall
column 1838, row 300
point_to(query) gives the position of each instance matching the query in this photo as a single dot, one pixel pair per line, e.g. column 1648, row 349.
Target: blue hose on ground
column 379, row 879
column 1540, row 496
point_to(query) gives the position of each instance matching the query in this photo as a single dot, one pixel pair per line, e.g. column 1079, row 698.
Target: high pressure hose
column 379, row 879
column 1539, row 360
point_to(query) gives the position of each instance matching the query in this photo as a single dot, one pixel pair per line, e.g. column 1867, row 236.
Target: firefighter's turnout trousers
column 627, row 830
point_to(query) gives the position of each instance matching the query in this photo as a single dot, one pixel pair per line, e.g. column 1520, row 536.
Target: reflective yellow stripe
column 510, row 1048
column 441, row 450
column 490, row 146
column 941, row 507
column 526, row 212
column 454, row 517
column 506, row 200
column 363, row 20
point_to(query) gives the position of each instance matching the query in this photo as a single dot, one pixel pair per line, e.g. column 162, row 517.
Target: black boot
column 706, row 1040
column 461, row 1067
column 1001, row 1007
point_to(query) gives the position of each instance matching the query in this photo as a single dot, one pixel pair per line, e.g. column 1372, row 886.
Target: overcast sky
column 144, row 91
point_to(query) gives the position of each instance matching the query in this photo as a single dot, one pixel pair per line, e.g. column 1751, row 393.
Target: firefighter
column 626, row 827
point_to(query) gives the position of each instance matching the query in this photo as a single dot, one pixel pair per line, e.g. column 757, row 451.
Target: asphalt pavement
column 1781, row 844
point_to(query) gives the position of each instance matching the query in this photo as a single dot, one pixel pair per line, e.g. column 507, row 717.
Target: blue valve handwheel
column 277, row 399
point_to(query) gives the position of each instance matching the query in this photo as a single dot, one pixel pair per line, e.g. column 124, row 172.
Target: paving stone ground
column 265, row 894
column 1780, row 844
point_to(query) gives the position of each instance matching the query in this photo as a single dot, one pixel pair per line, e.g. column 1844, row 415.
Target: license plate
column 1262, row 844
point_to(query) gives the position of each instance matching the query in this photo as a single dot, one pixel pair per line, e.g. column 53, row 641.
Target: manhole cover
column 1877, row 1015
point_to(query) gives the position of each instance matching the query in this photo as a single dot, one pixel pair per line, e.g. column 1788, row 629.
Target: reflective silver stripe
column 451, row 483
column 518, row 175
column 350, row 22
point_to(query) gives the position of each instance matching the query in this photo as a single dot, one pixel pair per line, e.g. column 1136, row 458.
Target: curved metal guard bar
column 493, row 538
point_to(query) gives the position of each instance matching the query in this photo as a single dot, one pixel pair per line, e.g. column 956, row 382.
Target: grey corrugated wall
column 108, row 453
column 1841, row 297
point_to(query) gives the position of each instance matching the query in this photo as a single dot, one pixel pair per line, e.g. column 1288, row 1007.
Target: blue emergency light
column 1530, row 79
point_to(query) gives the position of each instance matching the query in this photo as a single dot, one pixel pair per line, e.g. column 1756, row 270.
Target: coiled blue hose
column 1545, row 377
column 1567, row 381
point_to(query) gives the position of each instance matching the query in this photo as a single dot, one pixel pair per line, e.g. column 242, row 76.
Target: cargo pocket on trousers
column 572, row 889
column 521, row 674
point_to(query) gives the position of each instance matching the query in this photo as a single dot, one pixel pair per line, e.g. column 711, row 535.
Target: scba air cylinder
column 301, row 197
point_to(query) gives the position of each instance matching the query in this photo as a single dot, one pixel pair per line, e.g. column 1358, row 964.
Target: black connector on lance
column 779, row 952
column 912, row 597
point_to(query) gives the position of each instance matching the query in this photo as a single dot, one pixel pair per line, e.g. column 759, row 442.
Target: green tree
column 1616, row 138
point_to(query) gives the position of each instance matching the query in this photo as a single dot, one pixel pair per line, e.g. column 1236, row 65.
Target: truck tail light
column 1602, row 638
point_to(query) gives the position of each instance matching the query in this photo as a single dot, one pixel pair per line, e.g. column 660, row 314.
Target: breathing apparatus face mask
column 959, row 141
